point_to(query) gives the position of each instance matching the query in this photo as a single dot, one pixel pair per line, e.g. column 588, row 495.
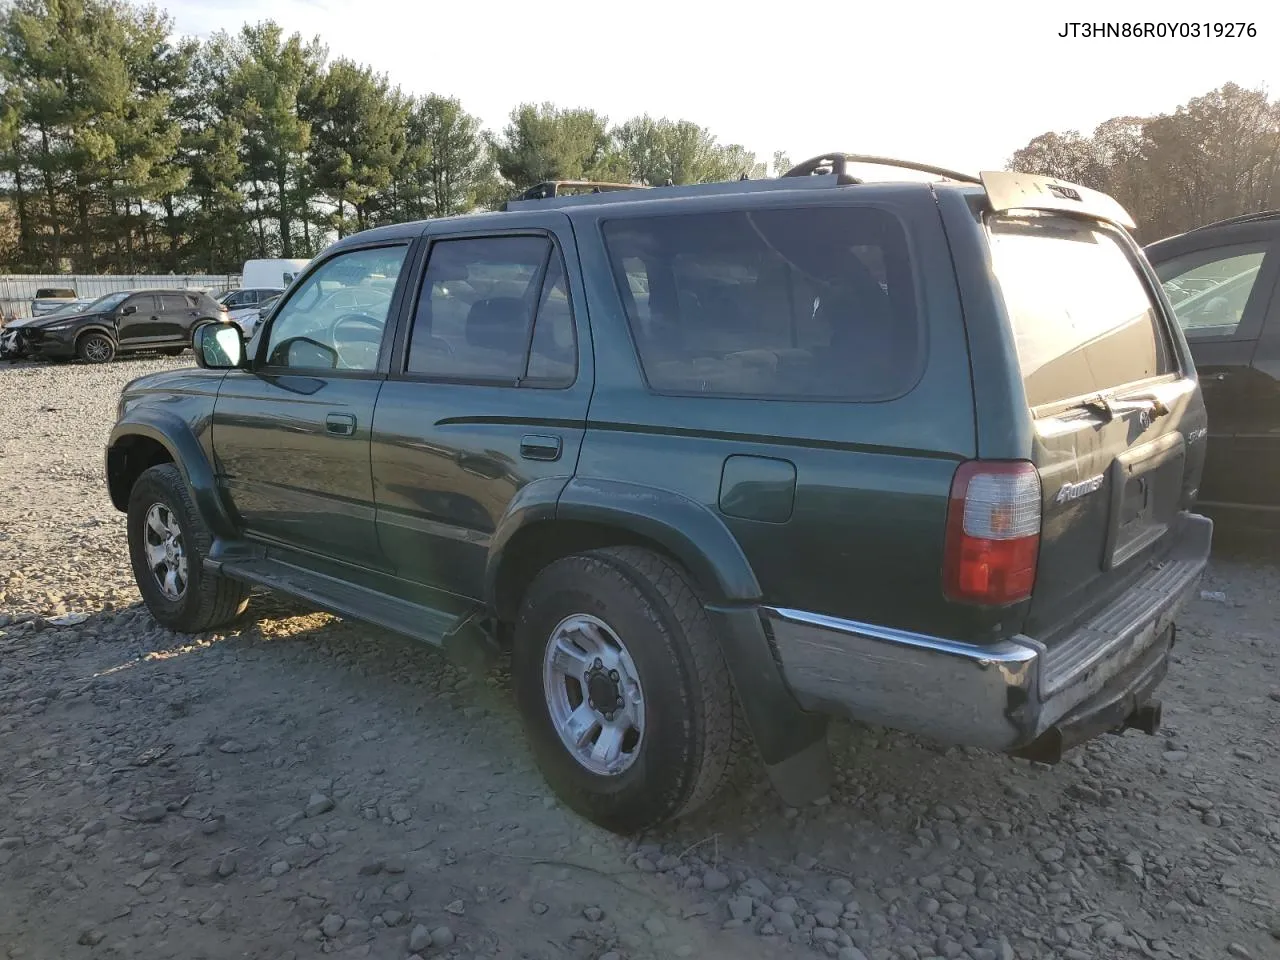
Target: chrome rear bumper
column 1007, row 696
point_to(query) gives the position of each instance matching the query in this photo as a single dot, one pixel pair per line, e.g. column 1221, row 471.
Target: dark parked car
column 239, row 299
column 715, row 462
column 116, row 323
column 1222, row 280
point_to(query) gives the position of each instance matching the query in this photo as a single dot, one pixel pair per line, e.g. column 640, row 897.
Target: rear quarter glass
column 803, row 303
column 1084, row 319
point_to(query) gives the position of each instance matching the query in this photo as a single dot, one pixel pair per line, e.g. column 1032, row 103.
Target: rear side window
column 812, row 303
column 1083, row 320
column 1210, row 289
column 495, row 310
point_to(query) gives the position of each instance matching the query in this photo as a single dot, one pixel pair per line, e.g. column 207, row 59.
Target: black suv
column 119, row 322
column 1222, row 280
column 713, row 461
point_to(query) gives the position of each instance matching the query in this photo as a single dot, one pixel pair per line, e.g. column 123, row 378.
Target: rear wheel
column 95, row 348
column 625, row 694
column 168, row 542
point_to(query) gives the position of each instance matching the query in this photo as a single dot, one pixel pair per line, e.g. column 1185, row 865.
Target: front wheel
column 625, row 694
column 95, row 348
column 168, row 542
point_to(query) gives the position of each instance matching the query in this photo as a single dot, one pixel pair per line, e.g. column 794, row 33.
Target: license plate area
column 1146, row 483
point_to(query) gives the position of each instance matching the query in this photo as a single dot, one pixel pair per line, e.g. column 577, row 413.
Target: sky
column 957, row 85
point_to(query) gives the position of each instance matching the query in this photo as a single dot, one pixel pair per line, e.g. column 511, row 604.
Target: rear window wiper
column 1110, row 409
column 1099, row 405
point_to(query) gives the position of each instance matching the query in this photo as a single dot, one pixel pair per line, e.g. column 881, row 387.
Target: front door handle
column 540, row 448
column 340, row 424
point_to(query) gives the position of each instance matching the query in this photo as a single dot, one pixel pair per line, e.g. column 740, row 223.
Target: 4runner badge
column 1074, row 491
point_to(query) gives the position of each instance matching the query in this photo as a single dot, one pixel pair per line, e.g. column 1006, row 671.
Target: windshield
column 109, row 302
column 75, row 306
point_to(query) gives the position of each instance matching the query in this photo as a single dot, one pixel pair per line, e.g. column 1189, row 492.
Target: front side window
column 1083, row 320
column 812, row 303
column 336, row 319
column 494, row 309
column 144, row 303
column 1209, row 290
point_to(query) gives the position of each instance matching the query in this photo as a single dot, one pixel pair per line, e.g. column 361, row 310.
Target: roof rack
column 1243, row 218
column 557, row 188
column 838, row 163
column 663, row 192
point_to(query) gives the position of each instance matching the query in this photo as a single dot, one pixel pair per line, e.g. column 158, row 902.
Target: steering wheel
column 358, row 350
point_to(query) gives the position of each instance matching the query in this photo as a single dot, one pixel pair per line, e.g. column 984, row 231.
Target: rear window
column 813, row 303
column 55, row 293
column 1084, row 321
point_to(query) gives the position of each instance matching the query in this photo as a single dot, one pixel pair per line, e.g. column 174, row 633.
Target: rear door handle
column 340, row 424
column 540, row 448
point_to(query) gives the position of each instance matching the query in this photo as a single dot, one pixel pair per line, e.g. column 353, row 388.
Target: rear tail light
column 993, row 533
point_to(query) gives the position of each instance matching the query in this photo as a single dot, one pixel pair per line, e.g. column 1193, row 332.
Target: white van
column 270, row 274
column 261, row 282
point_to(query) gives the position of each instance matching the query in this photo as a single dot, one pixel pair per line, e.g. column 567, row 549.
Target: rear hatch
column 1101, row 371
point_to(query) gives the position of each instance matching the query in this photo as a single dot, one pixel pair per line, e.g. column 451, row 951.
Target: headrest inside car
column 498, row 323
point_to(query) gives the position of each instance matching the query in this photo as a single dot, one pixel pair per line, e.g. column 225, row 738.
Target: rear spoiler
column 1008, row 190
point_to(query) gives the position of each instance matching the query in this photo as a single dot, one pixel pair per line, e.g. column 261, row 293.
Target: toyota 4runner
column 714, row 462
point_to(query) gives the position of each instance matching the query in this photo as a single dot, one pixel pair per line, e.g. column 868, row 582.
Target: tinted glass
column 336, row 318
column 553, row 353
column 109, row 302
column 806, row 303
column 174, row 303
column 1083, row 319
column 1210, row 289
column 475, row 307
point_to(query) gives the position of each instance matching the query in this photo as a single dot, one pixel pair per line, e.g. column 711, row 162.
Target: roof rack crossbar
column 838, row 164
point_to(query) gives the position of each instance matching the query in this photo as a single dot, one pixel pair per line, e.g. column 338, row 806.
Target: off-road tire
column 691, row 737
column 209, row 600
column 85, row 348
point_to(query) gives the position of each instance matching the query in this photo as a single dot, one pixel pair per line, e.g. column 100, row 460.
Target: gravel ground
column 303, row 786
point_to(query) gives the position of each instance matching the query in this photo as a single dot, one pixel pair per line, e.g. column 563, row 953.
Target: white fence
column 17, row 291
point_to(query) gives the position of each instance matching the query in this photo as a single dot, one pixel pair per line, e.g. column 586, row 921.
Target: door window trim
column 260, row 367
column 400, row 356
column 1249, row 329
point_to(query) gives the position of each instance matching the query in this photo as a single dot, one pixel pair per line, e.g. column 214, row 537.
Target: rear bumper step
column 1016, row 696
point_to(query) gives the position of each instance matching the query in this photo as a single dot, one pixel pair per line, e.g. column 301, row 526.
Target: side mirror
column 129, row 311
column 219, row 346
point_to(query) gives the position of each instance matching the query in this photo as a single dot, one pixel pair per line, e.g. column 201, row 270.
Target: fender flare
column 96, row 328
column 700, row 541
column 177, row 437
column 687, row 530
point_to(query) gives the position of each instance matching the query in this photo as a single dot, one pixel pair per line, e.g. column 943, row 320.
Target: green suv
column 714, row 463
